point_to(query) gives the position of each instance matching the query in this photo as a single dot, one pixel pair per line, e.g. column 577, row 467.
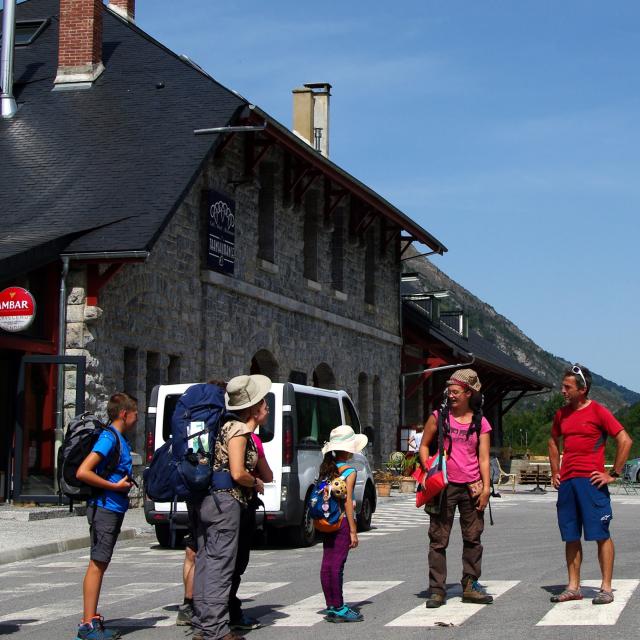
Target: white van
column 300, row 420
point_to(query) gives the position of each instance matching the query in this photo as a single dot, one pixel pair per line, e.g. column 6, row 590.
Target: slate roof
column 484, row 351
column 102, row 169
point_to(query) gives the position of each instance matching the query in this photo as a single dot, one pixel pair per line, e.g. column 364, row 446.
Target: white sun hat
column 344, row 438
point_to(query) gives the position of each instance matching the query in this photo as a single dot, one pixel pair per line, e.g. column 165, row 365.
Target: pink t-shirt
column 462, row 464
column 259, row 445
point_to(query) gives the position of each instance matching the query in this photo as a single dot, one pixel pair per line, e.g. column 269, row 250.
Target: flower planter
column 407, row 485
column 383, row 489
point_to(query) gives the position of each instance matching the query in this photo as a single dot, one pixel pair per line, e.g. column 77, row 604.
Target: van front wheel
column 304, row 534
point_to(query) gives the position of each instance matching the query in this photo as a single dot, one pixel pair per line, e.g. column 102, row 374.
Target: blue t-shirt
column 113, row 500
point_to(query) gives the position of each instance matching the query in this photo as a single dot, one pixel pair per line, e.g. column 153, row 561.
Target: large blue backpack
column 181, row 467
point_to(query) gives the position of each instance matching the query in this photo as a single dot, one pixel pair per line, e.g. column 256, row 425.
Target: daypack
column 83, row 432
column 325, row 508
column 181, row 467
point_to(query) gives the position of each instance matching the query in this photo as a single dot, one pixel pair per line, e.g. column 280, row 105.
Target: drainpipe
column 8, row 102
column 62, row 347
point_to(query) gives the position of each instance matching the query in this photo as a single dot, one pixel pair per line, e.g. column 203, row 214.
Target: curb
column 48, row 548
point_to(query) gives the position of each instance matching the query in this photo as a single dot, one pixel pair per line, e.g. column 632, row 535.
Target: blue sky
column 509, row 130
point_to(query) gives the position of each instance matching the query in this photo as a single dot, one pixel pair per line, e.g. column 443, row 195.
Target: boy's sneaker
column 185, row 613
column 245, row 623
column 95, row 630
column 473, row 592
column 343, row 614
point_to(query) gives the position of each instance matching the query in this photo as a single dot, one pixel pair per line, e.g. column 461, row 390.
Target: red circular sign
column 17, row 309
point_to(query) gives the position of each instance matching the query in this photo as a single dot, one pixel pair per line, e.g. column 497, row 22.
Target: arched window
column 266, row 214
column 370, row 268
column 311, row 236
column 363, row 398
column 337, row 250
column 264, row 362
column 323, row 377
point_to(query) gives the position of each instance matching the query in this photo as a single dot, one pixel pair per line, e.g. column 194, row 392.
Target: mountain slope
column 500, row 331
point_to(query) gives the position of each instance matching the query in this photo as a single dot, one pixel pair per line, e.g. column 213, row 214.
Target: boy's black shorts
column 191, row 539
column 104, row 529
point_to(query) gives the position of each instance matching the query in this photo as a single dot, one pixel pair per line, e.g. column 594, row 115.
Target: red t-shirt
column 584, row 435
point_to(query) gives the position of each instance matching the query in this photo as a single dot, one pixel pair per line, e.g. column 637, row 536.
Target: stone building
column 178, row 256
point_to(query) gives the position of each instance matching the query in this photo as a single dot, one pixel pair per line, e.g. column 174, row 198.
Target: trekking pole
column 490, row 513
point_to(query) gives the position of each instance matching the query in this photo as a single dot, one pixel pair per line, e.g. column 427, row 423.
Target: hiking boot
column 435, row 600
column 245, row 622
column 343, row 614
column 229, row 636
column 473, row 592
column 95, row 630
column 185, row 613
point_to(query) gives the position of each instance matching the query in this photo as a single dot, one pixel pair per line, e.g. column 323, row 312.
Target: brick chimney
column 125, row 8
column 80, row 41
column 311, row 115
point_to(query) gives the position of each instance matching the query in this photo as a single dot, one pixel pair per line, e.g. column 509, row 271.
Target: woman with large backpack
column 464, row 434
column 235, row 458
column 343, row 443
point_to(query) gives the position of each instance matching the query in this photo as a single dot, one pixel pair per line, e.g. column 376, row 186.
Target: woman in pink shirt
column 466, row 444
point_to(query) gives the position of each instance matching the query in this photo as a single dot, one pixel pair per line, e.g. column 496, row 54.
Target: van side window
column 265, row 431
column 316, row 415
column 350, row 415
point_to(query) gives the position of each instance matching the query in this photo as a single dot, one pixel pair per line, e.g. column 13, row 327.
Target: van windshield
column 316, row 416
column 265, row 431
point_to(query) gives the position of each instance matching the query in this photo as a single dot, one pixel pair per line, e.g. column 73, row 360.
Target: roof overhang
column 339, row 176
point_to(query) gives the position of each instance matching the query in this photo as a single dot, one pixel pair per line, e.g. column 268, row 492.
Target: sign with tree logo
column 221, row 240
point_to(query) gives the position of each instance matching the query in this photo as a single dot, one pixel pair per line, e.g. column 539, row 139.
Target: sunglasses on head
column 577, row 371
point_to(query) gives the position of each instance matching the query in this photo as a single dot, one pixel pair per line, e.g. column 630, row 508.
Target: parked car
column 631, row 470
column 300, row 420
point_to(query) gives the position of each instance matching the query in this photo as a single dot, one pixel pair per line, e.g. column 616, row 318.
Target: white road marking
column 455, row 611
column 306, row 613
column 582, row 612
column 47, row 613
column 34, row 587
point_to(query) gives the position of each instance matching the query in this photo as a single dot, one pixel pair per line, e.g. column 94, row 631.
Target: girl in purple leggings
column 343, row 443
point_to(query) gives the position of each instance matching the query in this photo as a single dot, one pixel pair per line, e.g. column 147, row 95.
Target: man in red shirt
column 583, row 496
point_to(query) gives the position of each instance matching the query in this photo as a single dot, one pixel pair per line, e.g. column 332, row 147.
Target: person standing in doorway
column 466, row 442
column 580, row 430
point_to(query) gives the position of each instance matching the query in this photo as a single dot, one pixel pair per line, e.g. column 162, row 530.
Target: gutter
column 107, row 255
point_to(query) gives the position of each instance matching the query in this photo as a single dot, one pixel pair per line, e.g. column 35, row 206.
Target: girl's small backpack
column 326, row 503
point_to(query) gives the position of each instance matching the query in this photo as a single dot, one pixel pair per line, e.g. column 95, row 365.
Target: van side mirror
column 369, row 432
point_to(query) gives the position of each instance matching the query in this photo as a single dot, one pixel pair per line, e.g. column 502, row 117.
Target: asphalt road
column 386, row 577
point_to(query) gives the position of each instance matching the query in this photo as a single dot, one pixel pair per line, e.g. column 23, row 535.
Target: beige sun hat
column 344, row 438
column 466, row 378
column 245, row 391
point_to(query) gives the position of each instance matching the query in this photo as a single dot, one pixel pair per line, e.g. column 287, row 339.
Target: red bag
column 431, row 482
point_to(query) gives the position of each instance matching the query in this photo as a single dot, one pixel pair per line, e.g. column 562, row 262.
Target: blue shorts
column 581, row 505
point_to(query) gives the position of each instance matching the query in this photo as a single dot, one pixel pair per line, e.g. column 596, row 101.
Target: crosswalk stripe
column 305, row 613
column 58, row 610
column 34, row 587
column 454, row 612
column 165, row 615
column 582, row 612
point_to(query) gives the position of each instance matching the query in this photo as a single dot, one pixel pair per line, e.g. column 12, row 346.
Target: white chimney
column 311, row 115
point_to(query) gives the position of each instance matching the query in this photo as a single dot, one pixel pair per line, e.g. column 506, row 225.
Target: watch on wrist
column 614, row 474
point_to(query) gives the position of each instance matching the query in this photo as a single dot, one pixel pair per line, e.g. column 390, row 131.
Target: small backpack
column 82, row 433
column 325, row 508
column 181, row 467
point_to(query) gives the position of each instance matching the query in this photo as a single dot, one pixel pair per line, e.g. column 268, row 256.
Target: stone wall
column 170, row 317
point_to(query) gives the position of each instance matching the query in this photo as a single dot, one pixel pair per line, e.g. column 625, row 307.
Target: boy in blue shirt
column 106, row 511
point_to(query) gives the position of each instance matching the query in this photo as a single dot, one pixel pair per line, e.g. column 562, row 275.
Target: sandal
column 603, row 597
column 567, row 595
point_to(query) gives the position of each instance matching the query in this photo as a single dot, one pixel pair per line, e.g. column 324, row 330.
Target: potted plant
column 383, row 480
column 407, row 482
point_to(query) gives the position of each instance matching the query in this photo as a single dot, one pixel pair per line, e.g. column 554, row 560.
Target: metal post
column 8, row 102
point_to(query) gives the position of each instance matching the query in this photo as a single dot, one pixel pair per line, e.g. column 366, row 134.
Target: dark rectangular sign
column 221, row 240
